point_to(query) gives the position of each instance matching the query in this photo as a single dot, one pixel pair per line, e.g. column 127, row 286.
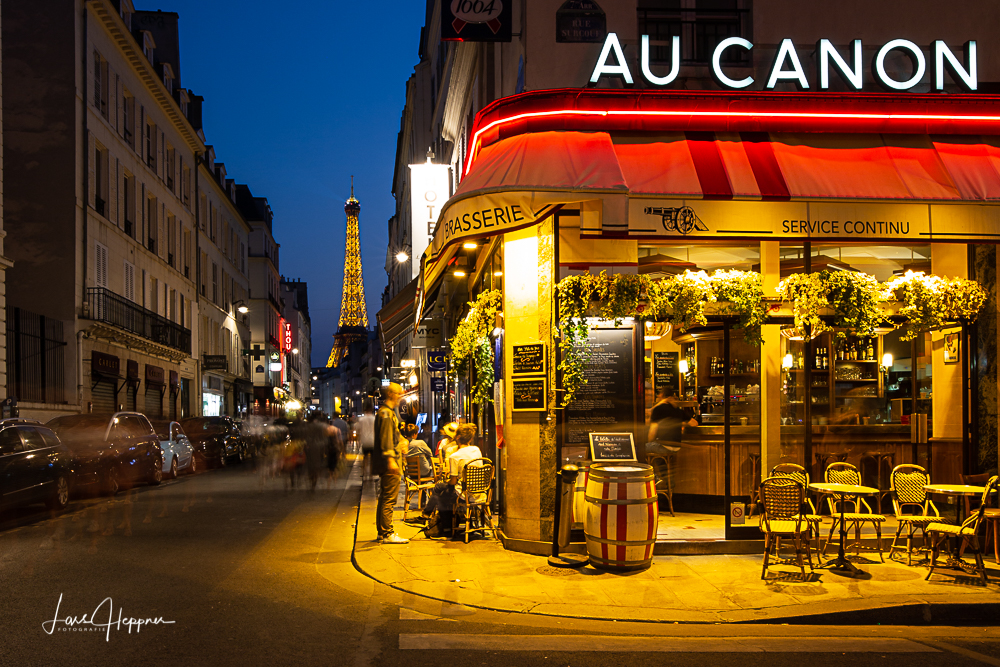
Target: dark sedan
column 34, row 466
column 216, row 440
column 111, row 451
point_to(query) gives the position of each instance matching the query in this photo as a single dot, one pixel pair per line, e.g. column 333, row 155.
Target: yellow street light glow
column 295, row 350
column 243, row 310
column 401, row 257
column 459, row 274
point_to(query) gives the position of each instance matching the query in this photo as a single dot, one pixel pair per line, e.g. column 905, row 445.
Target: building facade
column 647, row 139
column 296, row 339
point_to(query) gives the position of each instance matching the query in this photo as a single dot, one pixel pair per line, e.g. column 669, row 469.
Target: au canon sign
column 788, row 67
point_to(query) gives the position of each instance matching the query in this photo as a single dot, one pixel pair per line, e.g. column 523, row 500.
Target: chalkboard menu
column 612, row 447
column 665, row 372
column 529, row 359
column 607, row 402
column 528, row 394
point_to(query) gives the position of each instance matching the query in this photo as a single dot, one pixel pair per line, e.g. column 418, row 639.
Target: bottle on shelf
column 870, row 352
column 826, row 359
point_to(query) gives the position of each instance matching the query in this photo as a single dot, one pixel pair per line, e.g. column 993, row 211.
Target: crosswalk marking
column 632, row 644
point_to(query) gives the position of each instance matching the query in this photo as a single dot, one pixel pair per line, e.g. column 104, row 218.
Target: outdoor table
column 957, row 490
column 841, row 563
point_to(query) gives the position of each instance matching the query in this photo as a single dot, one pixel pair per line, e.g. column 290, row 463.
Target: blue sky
column 299, row 96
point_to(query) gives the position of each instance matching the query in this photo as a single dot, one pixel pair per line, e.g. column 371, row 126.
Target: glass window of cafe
column 687, row 369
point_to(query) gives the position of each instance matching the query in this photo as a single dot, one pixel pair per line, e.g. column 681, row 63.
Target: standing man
column 385, row 462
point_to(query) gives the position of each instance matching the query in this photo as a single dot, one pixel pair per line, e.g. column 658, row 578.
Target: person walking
column 365, row 428
column 385, row 462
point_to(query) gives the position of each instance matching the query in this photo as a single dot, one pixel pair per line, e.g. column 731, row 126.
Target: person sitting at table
column 445, row 493
column 666, row 422
column 420, row 449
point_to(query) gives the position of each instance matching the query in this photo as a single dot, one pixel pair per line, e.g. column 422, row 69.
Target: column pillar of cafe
column 770, row 377
column 529, row 457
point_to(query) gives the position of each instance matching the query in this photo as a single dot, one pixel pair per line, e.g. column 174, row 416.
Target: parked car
column 216, row 440
column 111, row 451
column 34, row 466
column 178, row 452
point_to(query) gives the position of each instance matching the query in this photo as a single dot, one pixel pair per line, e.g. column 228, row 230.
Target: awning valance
column 397, row 315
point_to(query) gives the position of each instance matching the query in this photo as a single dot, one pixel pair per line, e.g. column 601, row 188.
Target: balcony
column 110, row 308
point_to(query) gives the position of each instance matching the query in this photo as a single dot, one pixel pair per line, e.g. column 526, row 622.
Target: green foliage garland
column 471, row 342
column 807, row 294
column 930, row 302
column 742, row 293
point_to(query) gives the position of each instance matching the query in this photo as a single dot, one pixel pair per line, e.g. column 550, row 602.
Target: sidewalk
column 682, row 589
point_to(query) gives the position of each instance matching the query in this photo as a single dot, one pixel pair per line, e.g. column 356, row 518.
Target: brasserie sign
column 787, row 66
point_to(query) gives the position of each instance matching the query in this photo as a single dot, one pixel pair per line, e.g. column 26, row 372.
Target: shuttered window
column 129, row 289
column 100, row 265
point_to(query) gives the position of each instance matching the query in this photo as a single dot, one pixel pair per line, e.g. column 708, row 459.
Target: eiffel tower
column 353, row 326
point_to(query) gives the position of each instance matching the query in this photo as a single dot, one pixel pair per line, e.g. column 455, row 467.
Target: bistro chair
column 477, row 493
column 967, row 532
column 906, row 484
column 662, row 473
column 860, row 512
column 416, row 485
column 799, row 474
column 782, row 498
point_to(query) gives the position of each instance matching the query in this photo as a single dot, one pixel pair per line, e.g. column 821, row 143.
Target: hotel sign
column 429, row 190
column 787, row 67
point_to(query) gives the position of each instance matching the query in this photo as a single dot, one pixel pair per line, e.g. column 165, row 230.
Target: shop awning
column 396, row 317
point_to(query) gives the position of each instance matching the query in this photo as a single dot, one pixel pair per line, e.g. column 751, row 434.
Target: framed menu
column 528, row 394
column 610, row 447
column 665, row 371
column 607, row 401
column 529, row 359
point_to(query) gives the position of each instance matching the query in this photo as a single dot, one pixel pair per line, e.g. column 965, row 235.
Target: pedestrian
column 385, row 462
column 315, row 437
column 365, row 429
column 339, row 423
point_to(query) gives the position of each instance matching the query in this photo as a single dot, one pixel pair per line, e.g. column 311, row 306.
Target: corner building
column 733, row 159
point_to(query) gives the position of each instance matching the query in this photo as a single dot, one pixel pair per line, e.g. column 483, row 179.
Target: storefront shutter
column 103, row 397
column 153, row 405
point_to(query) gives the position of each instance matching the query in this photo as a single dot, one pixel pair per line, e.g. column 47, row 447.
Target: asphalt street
column 242, row 570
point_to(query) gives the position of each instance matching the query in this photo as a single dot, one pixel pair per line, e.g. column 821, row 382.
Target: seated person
column 665, row 423
column 446, row 493
column 419, row 448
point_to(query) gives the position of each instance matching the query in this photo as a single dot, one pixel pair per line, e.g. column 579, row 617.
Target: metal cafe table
column 959, row 491
column 841, row 565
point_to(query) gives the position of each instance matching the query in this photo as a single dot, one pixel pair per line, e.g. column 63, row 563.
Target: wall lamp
column 241, row 307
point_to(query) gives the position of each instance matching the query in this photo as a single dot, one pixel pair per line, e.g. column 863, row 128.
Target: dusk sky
column 296, row 102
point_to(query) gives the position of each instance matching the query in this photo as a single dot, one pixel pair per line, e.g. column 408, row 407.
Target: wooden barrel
column 580, row 497
column 621, row 515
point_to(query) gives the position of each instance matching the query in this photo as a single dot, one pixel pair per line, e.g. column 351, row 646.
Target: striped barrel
column 621, row 515
column 580, row 497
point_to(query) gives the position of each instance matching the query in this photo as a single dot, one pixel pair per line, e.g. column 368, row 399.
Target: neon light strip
column 718, row 114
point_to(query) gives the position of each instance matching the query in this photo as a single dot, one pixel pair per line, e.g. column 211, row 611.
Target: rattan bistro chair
column 782, row 498
column 800, row 474
column 477, row 493
column 845, row 473
column 967, row 532
column 415, row 485
column 906, row 484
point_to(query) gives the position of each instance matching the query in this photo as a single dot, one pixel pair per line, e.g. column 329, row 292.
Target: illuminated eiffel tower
column 353, row 325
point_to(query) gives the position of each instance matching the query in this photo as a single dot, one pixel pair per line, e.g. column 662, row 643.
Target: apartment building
column 296, row 339
column 223, row 291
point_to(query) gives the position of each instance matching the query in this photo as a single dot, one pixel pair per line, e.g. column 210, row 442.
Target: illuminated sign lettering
column 429, row 190
column 787, row 66
column 286, row 336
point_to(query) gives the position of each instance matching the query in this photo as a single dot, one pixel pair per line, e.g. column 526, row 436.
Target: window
column 215, row 283
column 701, row 27
column 100, row 265
column 152, row 225
column 101, row 84
column 128, row 203
column 32, row 439
column 203, row 217
column 182, row 310
column 151, row 146
column 187, row 254
column 129, row 281
column 100, row 185
column 128, row 117
column 185, row 184
column 243, row 260
column 10, row 441
column 213, row 223
column 154, row 295
column 170, row 166
column 171, row 238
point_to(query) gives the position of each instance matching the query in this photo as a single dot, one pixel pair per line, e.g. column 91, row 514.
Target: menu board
column 528, row 394
column 529, row 359
column 607, row 401
column 611, row 447
column 665, row 371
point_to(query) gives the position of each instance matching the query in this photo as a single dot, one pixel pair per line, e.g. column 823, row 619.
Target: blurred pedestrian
column 339, row 423
column 316, row 439
column 334, row 451
column 365, row 429
column 385, row 463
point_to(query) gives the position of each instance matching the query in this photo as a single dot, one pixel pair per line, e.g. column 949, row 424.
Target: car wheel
column 173, row 468
column 193, row 468
column 157, row 476
column 60, row 495
column 112, row 483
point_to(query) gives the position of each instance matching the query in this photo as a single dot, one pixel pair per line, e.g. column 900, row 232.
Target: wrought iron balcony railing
column 110, row 308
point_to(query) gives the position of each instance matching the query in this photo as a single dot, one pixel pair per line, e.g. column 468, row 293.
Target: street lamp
column 295, row 350
column 241, row 307
column 401, row 256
